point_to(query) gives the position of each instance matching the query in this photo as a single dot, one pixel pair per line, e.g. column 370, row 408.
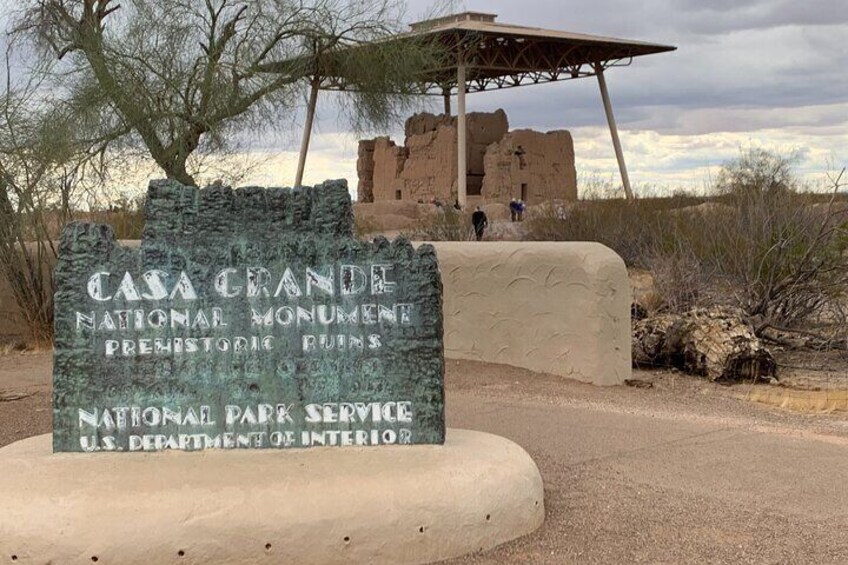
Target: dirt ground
column 682, row 472
column 813, row 370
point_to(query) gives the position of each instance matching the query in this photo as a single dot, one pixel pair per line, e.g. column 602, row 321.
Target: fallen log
column 715, row 343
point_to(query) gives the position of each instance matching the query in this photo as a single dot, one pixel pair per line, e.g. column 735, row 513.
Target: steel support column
column 616, row 142
column 307, row 132
column 461, row 152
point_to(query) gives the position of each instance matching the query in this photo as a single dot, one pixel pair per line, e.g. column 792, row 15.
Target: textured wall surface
column 430, row 168
column 393, row 505
column 250, row 299
column 389, row 160
column 559, row 308
column 543, row 162
column 365, row 170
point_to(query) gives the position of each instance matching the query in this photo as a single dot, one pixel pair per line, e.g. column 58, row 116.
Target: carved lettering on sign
column 247, row 319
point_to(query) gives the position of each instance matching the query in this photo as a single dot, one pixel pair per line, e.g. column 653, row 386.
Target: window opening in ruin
column 524, row 192
column 398, row 195
column 522, row 163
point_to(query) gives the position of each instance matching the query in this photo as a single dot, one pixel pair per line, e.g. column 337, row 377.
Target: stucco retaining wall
column 559, row 308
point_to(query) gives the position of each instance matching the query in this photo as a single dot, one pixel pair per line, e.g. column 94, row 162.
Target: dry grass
column 364, row 226
column 446, row 225
column 127, row 223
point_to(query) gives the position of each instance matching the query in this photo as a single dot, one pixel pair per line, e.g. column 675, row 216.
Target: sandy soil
column 682, row 472
column 25, row 401
column 813, row 370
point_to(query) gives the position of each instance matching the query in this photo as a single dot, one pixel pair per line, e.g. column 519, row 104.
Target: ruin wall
column 498, row 162
column 531, row 166
column 389, row 161
column 365, row 170
column 431, row 169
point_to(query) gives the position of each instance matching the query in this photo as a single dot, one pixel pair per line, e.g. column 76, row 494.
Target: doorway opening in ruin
column 398, row 195
column 474, row 184
column 524, row 192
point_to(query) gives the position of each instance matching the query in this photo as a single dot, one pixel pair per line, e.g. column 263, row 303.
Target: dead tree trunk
column 715, row 343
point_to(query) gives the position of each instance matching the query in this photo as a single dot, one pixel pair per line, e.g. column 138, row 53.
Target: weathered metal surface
column 248, row 318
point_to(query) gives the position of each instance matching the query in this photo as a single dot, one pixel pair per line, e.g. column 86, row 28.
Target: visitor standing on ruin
column 520, row 207
column 513, row 210
column 480, row 222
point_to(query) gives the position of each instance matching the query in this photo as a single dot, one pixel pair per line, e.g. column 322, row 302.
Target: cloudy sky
column 766, row 73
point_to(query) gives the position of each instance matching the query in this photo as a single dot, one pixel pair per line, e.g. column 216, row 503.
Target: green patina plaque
column 248, row 318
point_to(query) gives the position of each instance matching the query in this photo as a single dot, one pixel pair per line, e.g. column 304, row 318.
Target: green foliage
column 47, row 173
column 182, row 78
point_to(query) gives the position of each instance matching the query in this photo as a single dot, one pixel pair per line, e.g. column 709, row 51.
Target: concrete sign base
column 396, row 504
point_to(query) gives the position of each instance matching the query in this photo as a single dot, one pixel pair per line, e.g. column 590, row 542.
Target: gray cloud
column 705, row 17
column 732, row 55
column 652, row 16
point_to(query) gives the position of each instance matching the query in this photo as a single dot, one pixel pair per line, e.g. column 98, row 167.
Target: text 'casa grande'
column 249, row 282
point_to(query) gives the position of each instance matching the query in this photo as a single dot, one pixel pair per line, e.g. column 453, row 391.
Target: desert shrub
column 784, row 259
column 630, row 228
column 759, row 244
column 127, row 224
column 680, row 283
column 780, row 261
column 363, row 226
column 757, row 172
column 27, row 254
column 445, row 225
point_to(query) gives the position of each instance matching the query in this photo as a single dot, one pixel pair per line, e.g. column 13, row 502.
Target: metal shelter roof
column 500, row 55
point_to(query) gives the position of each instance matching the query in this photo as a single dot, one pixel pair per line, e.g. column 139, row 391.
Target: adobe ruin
column 502, row 165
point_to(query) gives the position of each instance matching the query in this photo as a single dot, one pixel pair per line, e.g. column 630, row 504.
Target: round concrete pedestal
column 403, row 504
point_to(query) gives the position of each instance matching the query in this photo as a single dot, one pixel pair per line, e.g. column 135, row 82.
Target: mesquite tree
column 187, row 76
